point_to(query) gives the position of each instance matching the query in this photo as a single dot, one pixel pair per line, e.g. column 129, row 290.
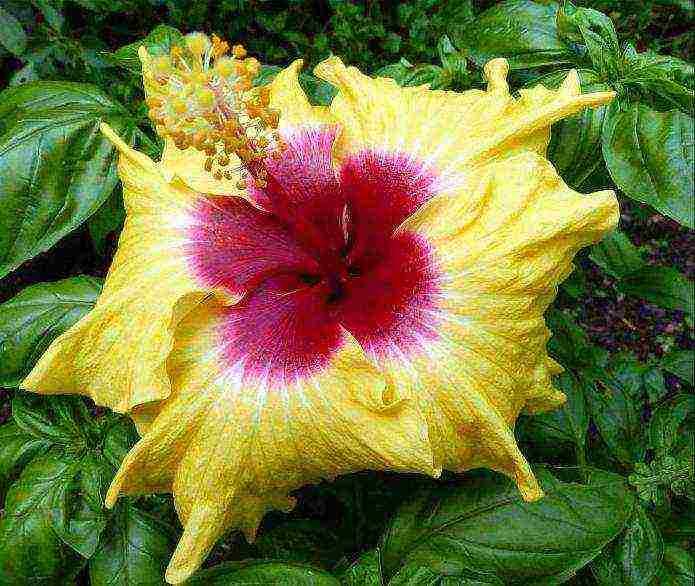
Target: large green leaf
column 120, row 436
column 680, row 363
column 482, row 526
column 575, row 140
column 662, row 79
column 615, row 407
column 61, row 420
column 567, row 424
column 595, row 31
column 678, row 568
column 77, row 508
column 255, row 572
column 649, row 155
column 634, row 558
column 30, row 321
column 407, row 74
column 365, row 571
column 300, row 540
column 672, row 442
column 56, row 169
column 134, row 550
column 12, row 35
column 30, row 551
column 160, row 41
column 17, row 447
column 570, row 345
column 106, row 221
column 663, row 286
column 416, row 575
column 616, row 255
column 671, row 423
column 522, row 31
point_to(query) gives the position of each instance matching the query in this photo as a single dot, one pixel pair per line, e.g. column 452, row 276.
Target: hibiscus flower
column 301, row 292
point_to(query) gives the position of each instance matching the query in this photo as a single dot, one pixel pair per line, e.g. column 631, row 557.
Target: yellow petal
column 117, row 353
column 448, row 129
column 230, row 450
column 503, row 241
column 287, row 96
column 188, row 165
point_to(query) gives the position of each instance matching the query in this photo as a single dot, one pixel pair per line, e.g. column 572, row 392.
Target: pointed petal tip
column 571, row 86
column 526, row 482
column 179, row 574
column 143, row 54
column 597, row 98
column 496, row 71
column 112, row 493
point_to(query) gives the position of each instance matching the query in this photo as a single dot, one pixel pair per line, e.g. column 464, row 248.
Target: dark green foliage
column 619, row 478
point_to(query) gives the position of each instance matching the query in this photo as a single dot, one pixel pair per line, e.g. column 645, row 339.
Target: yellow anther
column 179, row 106
column 202, row 97
column 253, row 67
column 205, row 98
column 161, row 64
column 219, row 47
column 198, row 43
column 226, row 66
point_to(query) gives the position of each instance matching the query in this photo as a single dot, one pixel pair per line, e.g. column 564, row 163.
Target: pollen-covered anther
column 202, row 97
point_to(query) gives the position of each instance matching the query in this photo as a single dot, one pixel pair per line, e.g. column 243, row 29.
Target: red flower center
column 325, row 256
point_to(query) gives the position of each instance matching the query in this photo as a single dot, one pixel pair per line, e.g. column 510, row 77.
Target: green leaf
column 300, row 540
column 77, row 506
column 255, row 572
column 678, row 568
column 570, row 345
column 616, row 255
column 134, row 550
column 634, row 558
column 365, row 571
column 672, row 440
column 670, row 422
column 17, row 448
column 406, row 74
column 30, row 321
column 481, row 525
column 54, row 419
column 655, row 384
column 653, row 481
column 663, row 286
column 53, row 17
column 649, row 155
column 596, row 32
column 56, row 168
column 266, row 74
column 108, row 219
column 319, row 92
column 522, row 31
column 415, row 575
column 120, row 437
column 680, row 363
column 666, row 80
column 574, row 141
column 160, row 41
column 30, row 551
column 12, row 35
column 615, row 407
column 569, row 423
column 640, row 549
